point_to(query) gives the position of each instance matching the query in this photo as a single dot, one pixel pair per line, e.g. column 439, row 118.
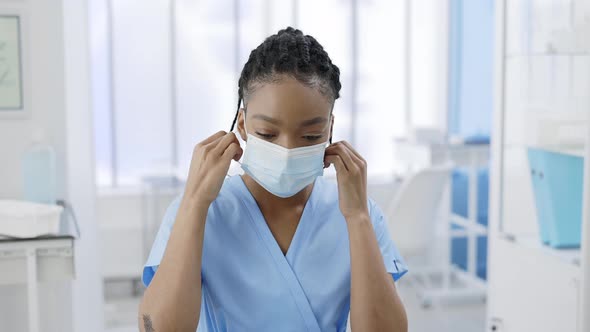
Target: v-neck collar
column 284, row 263
column 301, row 230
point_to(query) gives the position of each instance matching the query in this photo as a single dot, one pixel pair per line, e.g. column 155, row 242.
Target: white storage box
column 26, row 219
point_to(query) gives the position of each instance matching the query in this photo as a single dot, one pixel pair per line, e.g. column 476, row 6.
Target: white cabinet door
column 530, row 290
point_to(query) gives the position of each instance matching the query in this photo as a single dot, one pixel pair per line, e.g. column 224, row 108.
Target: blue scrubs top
column 247, row 282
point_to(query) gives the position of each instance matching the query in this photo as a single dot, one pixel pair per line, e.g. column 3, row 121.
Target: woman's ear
column 241, row 127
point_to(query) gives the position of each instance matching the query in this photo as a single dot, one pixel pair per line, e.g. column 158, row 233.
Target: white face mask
column 281, row 171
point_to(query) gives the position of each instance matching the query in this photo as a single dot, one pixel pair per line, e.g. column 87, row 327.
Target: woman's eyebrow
column 266, row 118
column 310, row 122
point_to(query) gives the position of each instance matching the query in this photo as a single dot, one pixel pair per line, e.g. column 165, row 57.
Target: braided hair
column 292, row 53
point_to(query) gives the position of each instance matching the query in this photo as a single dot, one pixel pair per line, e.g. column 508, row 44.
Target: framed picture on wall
column 13, row 94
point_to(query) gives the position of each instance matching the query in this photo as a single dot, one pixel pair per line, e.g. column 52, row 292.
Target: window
column 165, row 75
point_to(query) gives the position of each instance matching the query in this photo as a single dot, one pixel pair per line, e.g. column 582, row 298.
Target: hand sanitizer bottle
column 39, row 171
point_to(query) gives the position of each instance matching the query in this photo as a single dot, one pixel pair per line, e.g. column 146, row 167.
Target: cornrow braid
column 293, row 53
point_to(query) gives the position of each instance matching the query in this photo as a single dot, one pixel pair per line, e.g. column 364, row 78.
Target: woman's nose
column 287, row 142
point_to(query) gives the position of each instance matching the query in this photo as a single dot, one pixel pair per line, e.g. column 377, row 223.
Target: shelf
column 577, row 151
column 542, row 102
column 471, row 226
column 54, row 259
column 571, row 256
column 547, row 54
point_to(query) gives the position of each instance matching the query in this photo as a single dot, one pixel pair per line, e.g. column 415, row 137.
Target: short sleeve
column 394, row 262
column 160, row 242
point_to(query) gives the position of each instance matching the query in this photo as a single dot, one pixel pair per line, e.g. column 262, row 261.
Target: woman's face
column 287, row 113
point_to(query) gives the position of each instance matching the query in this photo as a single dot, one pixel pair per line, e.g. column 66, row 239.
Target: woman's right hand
column 209, row 165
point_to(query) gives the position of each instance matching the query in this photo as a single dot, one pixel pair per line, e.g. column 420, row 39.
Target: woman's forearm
column 172, row 301
column 374, row 302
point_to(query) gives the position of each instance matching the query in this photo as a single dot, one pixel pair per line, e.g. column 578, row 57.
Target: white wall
column 57, row 49
column 47, row 111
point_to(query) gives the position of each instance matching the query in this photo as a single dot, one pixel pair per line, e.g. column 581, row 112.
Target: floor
column 455, row 317
column 121, row 312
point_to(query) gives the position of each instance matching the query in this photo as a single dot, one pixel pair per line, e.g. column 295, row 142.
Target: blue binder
column 558, row 186
column 541, row 193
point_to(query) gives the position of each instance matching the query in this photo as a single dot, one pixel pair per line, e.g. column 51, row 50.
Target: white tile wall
column 539, row 81
column 537, row 26
column 560, row 82
column 547, row 92
column 516, row 86
column 581, row 82
column 581, row 10
column 518, row 206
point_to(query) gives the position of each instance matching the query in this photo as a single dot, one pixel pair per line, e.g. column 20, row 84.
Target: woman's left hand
column 351, row 173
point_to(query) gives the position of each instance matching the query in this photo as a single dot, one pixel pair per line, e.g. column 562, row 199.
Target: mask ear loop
column 234, row 125
column 330, row 140
column 237, row 112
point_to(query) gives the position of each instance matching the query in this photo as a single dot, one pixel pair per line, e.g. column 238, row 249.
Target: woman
column 278, row 248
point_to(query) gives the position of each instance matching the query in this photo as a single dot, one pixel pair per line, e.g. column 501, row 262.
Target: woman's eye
column 267, row 136
column 312, row 137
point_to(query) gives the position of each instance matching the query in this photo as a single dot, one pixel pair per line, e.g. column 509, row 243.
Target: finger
column 213, row 137
column 208, row 148
column 238, row 154
column 233, row 151
column 219, row 145
column 342, row 151
column 335, row 160
column 354, row 152
column 224, row 142
column 360, row 162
